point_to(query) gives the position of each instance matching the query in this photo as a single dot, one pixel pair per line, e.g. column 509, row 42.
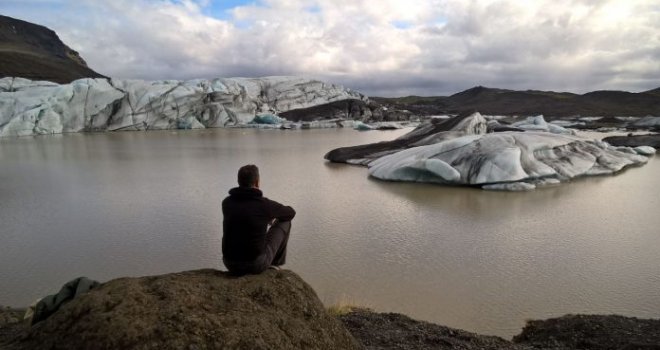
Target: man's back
column 246, row 217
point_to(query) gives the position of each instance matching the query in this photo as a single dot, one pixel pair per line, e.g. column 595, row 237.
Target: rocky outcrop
column 35, row 52
column 604, row 332
column 207, row 309
column 390, row 331
column 11, row 324
column 204, row 309
column 38, row 107
column 459, row 151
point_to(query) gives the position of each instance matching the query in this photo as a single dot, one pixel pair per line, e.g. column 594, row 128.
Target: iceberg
column 645, row 150
column 360, row 126
column 267, row 119
column 647, row 122
column 459, row 151
column 538, row 123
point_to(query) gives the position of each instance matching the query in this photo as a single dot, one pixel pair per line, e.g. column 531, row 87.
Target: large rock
column 605, row 332
column 390, row 331
column 38, row 107
column 460, row 152
column 205, row 309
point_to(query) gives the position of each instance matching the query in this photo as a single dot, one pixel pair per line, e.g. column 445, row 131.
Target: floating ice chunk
column 537, row 123
column 546, row 182
column 267, row 119
column 556, row 129
column 189, row 123
column 360, row 126
column 386, row 125
column 495, row 117
column 566, row 123
column 648, row 121
column 459, row 152
column 510, row 186
column 503, row 158
column 645, row 150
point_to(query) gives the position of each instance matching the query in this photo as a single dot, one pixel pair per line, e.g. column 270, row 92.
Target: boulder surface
column 204, row 309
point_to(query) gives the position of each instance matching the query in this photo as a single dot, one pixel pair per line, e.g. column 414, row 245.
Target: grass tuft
column 339, row 310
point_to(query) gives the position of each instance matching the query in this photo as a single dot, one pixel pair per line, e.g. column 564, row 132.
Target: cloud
column 386, row 47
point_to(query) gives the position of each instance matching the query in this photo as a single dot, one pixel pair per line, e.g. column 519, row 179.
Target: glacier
column 461, row 151
column 40, row 107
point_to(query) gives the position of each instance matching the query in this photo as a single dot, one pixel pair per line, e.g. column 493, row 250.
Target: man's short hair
column 248, row 175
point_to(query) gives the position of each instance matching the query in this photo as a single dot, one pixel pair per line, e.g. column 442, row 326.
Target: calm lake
column 136, row 203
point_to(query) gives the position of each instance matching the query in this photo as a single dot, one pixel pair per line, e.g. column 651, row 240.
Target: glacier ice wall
column 38, row 107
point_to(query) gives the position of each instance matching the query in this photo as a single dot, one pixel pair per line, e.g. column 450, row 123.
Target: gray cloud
column 445, row 46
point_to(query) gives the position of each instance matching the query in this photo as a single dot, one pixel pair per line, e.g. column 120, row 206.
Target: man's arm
column 279, row 211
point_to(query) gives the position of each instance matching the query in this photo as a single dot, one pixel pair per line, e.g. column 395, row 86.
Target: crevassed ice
column 37, row 107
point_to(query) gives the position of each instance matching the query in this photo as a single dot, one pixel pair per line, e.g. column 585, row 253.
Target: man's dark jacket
column 247, row 214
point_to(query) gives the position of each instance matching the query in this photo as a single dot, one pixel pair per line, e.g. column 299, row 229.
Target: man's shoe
column 273, row 267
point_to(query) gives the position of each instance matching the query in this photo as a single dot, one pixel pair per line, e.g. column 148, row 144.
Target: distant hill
column 530, row 102
column 35, row 52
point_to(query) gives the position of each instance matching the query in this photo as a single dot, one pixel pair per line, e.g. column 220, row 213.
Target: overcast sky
column 378, row 47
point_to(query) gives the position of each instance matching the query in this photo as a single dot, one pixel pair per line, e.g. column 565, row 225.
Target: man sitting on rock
column 248, row 245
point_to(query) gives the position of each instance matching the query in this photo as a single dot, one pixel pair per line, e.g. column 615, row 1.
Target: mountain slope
column 35, row 52
column 530, row 102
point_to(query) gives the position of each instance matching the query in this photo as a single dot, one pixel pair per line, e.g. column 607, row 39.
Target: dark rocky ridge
column 385, row 331
column 606, row 332
column 531, row 102
column 390, row 331
column 634, row 140
column 35, row 52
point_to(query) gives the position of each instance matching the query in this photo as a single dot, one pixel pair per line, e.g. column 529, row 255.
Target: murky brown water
column 109, row 205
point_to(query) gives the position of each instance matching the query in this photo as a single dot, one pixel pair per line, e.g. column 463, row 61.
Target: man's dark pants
column 277, row 239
